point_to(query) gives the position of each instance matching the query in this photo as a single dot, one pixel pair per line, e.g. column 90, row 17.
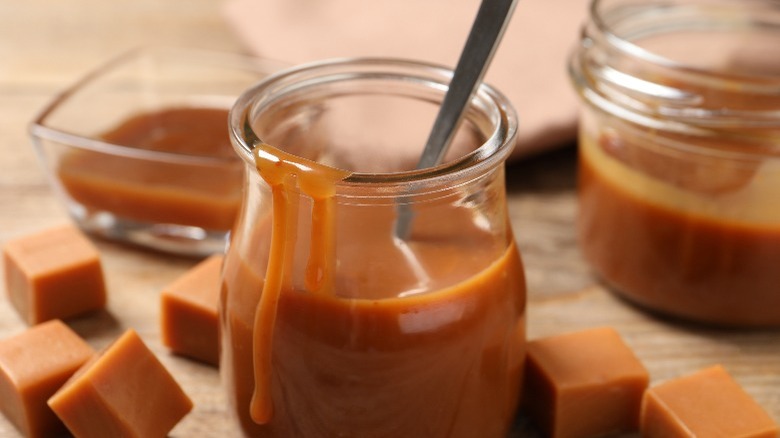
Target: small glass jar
column 679, row 175
column 335, row 324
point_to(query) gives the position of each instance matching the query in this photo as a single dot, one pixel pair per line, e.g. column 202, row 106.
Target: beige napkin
column 529, row 66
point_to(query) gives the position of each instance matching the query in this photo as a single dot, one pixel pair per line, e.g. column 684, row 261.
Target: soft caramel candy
column 584, row 384
column 33, row 366
column 123, row 392
column 703, row 404
column 188, row 316
column 53, row 274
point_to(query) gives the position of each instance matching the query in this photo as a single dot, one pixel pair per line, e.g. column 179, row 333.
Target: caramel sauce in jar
column 334, row 326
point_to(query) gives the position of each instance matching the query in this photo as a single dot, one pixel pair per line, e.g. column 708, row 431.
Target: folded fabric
column 529, row 66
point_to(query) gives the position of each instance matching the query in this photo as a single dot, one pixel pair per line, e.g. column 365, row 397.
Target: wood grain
column 46, row 45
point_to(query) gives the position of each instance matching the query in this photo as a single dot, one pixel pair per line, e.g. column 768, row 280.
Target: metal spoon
column 484, row 37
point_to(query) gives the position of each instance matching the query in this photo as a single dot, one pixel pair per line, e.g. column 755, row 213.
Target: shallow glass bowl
column 181, row 200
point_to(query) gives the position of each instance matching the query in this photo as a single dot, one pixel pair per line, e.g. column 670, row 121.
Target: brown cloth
column 529, row 66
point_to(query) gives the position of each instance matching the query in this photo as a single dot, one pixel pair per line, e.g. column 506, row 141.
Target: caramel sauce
column 689, row 246
column 285, row 174
column 159, row 191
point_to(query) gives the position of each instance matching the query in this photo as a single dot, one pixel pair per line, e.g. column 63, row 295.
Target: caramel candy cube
column 189, row 320
column 53, row 274
column 33, row 366
column 123, row 392
column 706, row 403
column 583, row 384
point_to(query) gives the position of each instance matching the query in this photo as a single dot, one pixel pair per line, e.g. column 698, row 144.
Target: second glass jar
column 680, row 156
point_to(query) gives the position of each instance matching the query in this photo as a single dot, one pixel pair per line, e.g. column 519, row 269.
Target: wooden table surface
column 45, row 45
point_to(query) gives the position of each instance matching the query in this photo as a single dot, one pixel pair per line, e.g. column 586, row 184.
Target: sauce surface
column 149, row 190
column 319, row 342
column 706, row 252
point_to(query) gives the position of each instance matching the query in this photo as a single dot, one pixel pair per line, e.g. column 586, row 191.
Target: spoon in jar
column 486, row 32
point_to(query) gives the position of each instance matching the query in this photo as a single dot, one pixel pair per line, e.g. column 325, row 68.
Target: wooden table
column 45, row 45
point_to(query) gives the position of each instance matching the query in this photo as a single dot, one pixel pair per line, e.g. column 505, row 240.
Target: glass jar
column 335, row 324
column 679, row 171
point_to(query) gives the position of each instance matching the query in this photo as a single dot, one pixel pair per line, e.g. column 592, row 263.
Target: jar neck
column 682, row 65
column 310, row 111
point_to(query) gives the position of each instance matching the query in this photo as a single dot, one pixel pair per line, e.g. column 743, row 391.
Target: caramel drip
column 283, row 171
column 319, row 270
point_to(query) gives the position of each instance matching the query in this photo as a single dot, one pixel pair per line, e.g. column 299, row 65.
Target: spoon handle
column 486, row 32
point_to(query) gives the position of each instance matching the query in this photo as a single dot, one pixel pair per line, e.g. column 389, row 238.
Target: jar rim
column 486, row 99
column 613, row 32
column 689, row 14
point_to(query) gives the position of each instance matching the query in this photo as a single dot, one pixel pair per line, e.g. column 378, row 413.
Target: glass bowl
column 138, row 150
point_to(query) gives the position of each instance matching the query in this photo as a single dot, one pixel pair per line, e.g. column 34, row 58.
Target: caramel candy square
column 123, row 392
column 53, row 274
column 706, row 403
column 584, row 384
column 188, row 316
column 33, row 366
